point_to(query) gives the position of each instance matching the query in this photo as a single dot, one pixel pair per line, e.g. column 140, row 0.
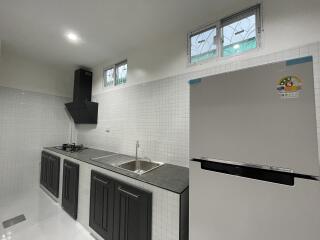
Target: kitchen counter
column 170, row 177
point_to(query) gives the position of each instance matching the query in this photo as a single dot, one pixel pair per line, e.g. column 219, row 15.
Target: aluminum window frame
column 115, row 71
column 114, row 67
column 253, row 10
column 199, row 31
column 104, row 76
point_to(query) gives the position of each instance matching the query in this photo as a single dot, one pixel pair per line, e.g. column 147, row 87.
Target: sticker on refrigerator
column 289, row 87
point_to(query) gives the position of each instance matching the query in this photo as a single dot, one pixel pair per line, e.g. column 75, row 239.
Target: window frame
column 115, row 72
column 199, row 31
column 256, row 9
column 104, row 76
column 114, row 67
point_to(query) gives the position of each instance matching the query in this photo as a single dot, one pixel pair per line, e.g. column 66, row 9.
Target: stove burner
column 71, row 147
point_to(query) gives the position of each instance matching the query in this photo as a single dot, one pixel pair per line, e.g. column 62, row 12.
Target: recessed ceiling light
column 72, row 37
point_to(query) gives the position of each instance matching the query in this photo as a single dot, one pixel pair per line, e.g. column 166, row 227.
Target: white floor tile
column 45, row 219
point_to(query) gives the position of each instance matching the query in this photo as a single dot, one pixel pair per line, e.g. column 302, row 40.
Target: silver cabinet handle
column 100, row 180
column 67, row 166
column 128, row 193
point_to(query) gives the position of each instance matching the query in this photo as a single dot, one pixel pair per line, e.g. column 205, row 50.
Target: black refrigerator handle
column 267, row 175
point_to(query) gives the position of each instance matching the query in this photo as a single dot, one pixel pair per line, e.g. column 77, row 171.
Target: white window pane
column 108, row 77
column 121, row 73
column 240, row 36
column 203, row 45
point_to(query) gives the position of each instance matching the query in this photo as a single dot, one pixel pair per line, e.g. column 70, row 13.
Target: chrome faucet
column 137, row 146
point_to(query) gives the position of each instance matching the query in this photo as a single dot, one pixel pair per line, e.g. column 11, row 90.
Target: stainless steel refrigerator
column 254, row 154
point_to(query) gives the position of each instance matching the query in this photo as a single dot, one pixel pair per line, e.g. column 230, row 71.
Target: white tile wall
column 28, row 122
column 157, row 113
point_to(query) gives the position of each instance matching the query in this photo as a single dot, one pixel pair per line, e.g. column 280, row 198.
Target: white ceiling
column 108, row 27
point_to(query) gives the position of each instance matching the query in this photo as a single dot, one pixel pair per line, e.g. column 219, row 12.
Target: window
column 115, row 75
column 239, row 33
column 203, row 45
column 108, row 76
column 230, row 36
column 121, row 73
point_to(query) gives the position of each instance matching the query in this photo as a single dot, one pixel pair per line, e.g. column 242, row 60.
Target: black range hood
column 82, row 110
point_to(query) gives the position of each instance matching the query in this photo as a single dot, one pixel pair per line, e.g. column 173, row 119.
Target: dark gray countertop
column 170, row 177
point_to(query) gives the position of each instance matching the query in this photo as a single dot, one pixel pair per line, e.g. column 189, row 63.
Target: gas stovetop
column 71, row 147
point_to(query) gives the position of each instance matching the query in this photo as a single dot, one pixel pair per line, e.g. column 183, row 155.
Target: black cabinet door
column 70, row 188
column 54, row 175
column 50, row 173
column 132, row 219
column 101, row 205
column 50, row 170
column 45, row 178
column 43, row 175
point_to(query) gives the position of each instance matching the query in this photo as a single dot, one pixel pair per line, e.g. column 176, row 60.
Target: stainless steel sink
column 139, row 166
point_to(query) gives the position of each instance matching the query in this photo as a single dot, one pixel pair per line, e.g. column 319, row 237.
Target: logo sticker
column 289, row 87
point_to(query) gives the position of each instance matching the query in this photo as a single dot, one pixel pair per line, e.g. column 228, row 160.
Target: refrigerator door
column 242, row 116
column 229, row 207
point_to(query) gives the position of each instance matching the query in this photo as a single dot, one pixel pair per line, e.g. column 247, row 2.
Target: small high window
column 108, row 76
column 116, row 74
column 121, row 73
column 203, row 45
column 239, row 33
column 234, row 35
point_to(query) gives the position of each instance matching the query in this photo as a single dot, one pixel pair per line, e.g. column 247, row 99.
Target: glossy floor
column 45, row 220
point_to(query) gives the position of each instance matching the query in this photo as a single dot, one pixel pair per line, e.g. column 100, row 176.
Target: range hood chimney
column 82, row 110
